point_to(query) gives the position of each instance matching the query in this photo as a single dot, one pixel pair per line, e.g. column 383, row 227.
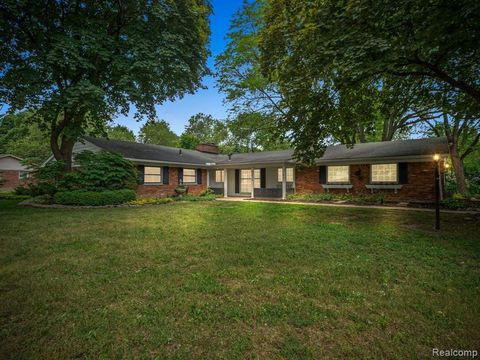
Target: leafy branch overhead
column 79, row 63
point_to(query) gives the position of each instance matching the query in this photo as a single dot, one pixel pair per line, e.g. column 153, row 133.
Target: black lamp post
column 436, row 157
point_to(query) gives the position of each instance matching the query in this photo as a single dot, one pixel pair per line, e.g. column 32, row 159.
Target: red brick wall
column 11, row 180
column 420, row 185
column 169, row 190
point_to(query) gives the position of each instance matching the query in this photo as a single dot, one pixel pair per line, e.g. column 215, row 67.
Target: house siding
column 420, row 186
column 169, row 189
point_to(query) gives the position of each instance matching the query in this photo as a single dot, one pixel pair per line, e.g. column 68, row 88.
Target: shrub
column 12, row 196
column 94, row 198
column 42, row 199
column 101, row 171
column 22, row 191
column 454, row 203
column 208, row 191
column 353, row 199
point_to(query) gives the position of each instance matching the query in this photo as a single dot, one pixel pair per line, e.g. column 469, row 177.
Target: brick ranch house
column 401, row 170
column 12, row 172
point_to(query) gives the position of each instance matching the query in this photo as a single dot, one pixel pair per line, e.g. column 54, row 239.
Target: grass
column 236, row 280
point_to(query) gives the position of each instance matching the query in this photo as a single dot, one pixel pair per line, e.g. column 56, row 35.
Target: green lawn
column 236, row 280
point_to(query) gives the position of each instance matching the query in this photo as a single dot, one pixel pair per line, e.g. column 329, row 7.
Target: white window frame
column 219, row 176
column 147, row 173
column 383, row 181
column 330, row 169
column 189, row 176
column 23, row 175
column 289, row 171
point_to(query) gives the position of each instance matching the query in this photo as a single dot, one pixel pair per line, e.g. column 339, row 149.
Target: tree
column 239, row 73
column 120, row 132
column 79, row 63
column 462, row 130
column 20, row 137
column 250, row 132
column 158, row 132
column 202, row 128
column 321, row 54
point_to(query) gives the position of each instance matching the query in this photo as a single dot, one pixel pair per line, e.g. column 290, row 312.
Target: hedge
column 94, row 198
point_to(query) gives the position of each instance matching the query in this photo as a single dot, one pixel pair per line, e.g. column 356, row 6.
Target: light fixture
column 436, row 157
column 447, row 165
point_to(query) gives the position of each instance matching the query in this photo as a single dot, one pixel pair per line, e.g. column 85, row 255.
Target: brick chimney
column 207, row 148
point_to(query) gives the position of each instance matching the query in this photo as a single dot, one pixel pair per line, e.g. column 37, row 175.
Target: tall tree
column 202, row 128
column 158, row 132
column 249, row 132
column 120, row 132
column 81, row 62
column 321, row 54
column 20, row 137
column 239, row 73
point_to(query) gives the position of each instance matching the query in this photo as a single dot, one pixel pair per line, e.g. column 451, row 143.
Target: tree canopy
column 203, row 128
column 158, row 132
column 120, row 132
column 78, row 63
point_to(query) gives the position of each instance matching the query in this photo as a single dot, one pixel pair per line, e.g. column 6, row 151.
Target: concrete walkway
column 381, row 207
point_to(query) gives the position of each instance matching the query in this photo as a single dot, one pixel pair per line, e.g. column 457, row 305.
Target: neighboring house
column 12, row 172
column 401, row 170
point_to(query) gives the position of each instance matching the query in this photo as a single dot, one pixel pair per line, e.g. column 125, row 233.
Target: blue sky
column 208, row 101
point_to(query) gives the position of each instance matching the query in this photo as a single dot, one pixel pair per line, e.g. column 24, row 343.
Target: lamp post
column 436, row 158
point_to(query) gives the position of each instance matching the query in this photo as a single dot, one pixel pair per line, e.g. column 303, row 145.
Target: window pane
column 280, row 174
column 152, row 178
column 152, row 170
column 218, row 176
column 384, row 172
column 189, row 176
column 22, row 175
column 256, row 180
column 337, row 174
column 152, row 174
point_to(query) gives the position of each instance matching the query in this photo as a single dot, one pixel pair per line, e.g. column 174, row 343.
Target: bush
column 13, row 196
column 22, row 191
column 151, row 201
column 349, row 198
column 101, row 171
column 207, row 192
column 94, row 198
column 42, row 199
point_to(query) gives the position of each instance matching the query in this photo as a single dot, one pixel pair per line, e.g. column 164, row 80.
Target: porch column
column 225, row 187
column 294, row 172
column 208, row 178
column 252, row 194
column 284, row 182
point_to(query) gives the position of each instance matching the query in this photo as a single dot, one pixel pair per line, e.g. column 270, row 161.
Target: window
column 246, row 180
column 219, row 176
column 338, row 174
column 189, row 176
column 23, row 175
column 289, row 175
column 152, row 175
column 384, row 172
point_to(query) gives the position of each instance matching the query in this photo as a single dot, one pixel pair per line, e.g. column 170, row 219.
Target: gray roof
column 386, row 150
column 374, row 151
column 151, row 152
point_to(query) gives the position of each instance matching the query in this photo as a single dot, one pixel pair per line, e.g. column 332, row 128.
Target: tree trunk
column 458, row 168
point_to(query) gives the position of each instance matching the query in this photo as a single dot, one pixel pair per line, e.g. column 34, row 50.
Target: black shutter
column 165, row 176
column 322, row 174
column 180, row 175
column 263, row 177
column 199, row 176
column 141, row 174
column 237, row 181
column 403, row 173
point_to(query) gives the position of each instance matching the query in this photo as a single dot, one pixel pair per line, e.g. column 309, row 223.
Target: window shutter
column 180, row 175
column 237, row 181
column 165, row 175
column 322, row 173
column 263, row 177
column 199, row 176
column 403, row 173
column 141, row 174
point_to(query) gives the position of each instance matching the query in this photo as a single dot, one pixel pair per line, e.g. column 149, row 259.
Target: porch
column 252, row 182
